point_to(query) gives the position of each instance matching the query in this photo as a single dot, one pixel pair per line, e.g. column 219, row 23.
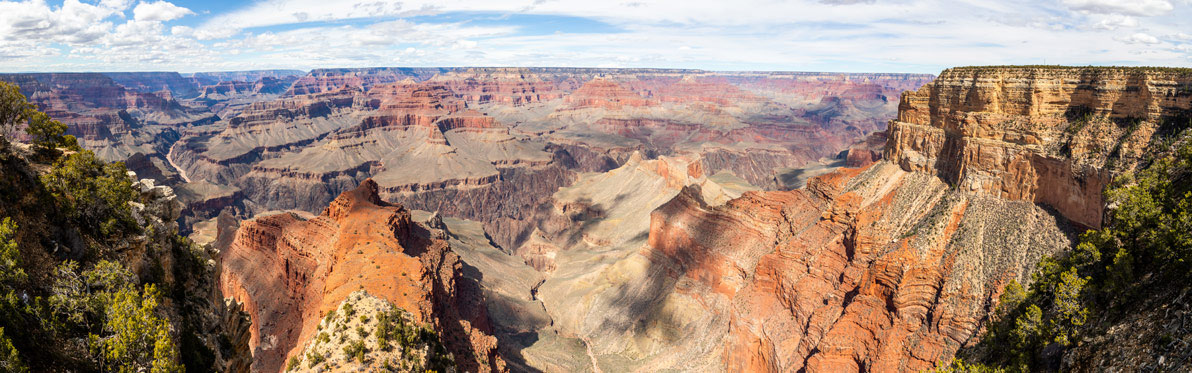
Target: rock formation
column 1031, row 133
column 290, row 269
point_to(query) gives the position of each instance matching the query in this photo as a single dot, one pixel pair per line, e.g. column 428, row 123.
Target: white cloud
column 1124, row 7
column 846, row 2
column 159, row 11
column 71, row 23
column 1138, row 38
column 888, row 35
column 1116, row 21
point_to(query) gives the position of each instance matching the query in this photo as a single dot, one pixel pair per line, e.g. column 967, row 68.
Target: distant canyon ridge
column 539, row 199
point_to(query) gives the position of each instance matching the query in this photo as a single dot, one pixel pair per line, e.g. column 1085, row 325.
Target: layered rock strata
column 290, row 269
column 1037, row 134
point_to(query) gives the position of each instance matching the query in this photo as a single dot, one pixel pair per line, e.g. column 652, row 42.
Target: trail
column 170, row 160
column 588, row 346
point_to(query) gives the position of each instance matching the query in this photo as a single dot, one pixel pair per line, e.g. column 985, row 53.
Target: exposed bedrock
column 290, row 269
column 871, row 269
column 1037, row 134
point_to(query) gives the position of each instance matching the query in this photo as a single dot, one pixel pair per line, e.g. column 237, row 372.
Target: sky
column 920, row 36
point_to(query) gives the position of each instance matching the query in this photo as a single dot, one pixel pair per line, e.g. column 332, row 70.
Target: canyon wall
column 291, row 269
column 492, row 144
column 1036, row 134
column 895, row 265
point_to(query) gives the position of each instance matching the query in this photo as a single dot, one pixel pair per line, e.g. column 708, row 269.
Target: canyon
column 584, row 219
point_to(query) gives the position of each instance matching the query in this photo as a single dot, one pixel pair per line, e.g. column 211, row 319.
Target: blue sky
column 812, row 35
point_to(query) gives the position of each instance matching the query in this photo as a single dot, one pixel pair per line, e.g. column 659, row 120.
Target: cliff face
column 1033, row 134
column 289, row 270
column 895, row 265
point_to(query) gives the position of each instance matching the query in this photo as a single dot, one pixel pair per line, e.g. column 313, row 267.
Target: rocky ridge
column 290, row 269
column 1044, row 135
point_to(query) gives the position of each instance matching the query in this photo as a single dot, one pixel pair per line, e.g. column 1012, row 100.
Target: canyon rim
column 568, row 186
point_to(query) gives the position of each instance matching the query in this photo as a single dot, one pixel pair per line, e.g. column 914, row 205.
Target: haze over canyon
column 608, row 220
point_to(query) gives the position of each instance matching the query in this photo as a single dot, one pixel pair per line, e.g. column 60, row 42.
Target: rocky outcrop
column 864, row 269
column 366, row 333
column 1036, row 134
column 893, row 265
column 601, row 93
column 290, row 270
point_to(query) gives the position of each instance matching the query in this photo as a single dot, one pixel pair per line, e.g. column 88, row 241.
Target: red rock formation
column 289, row 271
column 895, row 265
column 867, row 151
column 867, row 269
column 1003, row 131
column 605, row 93
column 504, row 86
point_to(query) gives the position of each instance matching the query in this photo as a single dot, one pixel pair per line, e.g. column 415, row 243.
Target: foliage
column 1149, row 231
column 356, row 350
column 395, row 326
column 10, row 359
column 47, row 133
column 13, row 107
column 313, row 359
column 126, row 332
column 93, row 314
column 10, row 256
column 960, row 366
column 95, row 194
column 139, row 339
column 292, row 363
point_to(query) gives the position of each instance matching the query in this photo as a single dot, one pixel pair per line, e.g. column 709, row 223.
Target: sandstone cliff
column 289, row 270
column 1044, row 135
column 891, row 265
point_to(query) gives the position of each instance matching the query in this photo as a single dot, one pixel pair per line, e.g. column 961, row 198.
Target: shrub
column 13, row 108
column 1149, row 232
column 140, row 339
column 46, row 132
column 10, row 359
column 10, row 255
column 313, row 359
column 95, row 194
column 293, row 363
column 356, row 350
column 960, row 366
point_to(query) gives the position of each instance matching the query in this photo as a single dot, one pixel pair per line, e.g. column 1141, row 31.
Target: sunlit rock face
column 289, row 269
column 492, row 144
column 1026, row 133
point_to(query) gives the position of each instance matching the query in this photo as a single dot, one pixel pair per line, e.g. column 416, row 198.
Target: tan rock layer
column 997, row 130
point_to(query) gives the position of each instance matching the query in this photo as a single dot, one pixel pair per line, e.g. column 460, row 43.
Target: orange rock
column 289, row 271
column 1000, row 131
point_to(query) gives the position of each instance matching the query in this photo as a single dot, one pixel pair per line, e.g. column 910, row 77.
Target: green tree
column 13, row 108
column 46, row 132
column 139, row 339
column 94, row 193
column 10, row 255
column 10, row 359
column 1070, row 312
